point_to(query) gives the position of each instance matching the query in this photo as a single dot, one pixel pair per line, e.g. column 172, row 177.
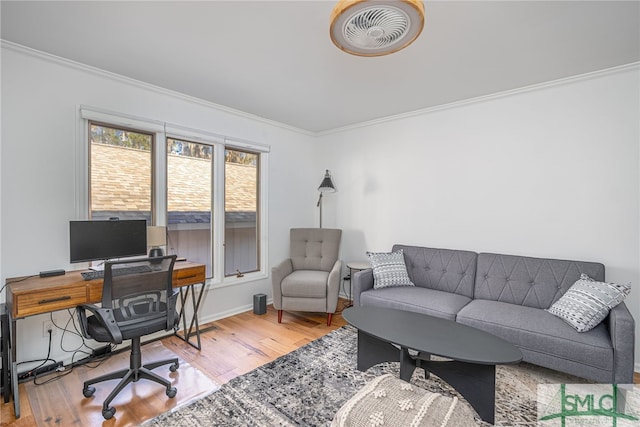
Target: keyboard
column 99, row 274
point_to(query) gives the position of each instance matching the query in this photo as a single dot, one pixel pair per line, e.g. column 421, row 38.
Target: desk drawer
column 48, row 300
column 188, row 276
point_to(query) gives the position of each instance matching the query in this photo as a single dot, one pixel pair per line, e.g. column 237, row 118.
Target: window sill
column 232, row 280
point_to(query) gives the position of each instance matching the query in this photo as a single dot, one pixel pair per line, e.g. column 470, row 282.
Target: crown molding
column 198, row 101
column 485, row 98
column 146, row 86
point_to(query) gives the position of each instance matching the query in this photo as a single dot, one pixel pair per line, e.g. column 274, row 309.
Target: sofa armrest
column 278, row 273
column 333, row 286
column 622, row 330
column 360, row 282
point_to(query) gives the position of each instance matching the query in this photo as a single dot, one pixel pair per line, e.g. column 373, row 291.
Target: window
column 120, row 163
column 208, row 190
column 190, row 200
column 190, row 205
column 241, row 232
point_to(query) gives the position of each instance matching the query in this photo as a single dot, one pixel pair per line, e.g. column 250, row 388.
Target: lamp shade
column 326, row 186
column 376, row 28
column 156, row 236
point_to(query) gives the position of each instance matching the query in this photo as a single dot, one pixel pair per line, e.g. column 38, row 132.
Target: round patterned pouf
column 387, row 401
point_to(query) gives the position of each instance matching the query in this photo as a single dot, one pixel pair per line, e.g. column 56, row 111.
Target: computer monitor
column 103, row 240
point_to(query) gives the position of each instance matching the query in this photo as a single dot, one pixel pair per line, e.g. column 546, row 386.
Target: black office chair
column 137, row 299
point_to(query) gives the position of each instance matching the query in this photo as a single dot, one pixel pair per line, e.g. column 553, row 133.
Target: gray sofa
column 506, row 295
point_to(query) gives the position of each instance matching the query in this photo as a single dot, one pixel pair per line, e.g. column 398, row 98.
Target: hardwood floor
column 230, row 347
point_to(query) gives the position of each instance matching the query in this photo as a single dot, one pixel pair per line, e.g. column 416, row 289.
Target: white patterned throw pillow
column 389, row 269
column 587, row 302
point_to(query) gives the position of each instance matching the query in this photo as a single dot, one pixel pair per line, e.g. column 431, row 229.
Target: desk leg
column 13, row 381
column 14, row 387
column 6, row 364
column 195, row 304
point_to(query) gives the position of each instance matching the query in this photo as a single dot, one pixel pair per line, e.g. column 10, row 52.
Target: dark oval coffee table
column 474, row 353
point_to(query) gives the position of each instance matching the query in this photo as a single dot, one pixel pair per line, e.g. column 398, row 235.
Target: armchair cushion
column 314, row 248
column 305, row 283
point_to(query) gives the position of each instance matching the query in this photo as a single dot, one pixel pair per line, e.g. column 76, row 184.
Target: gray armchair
column 310, row 279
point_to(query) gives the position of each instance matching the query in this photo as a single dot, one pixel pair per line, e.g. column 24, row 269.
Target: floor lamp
column 326, row 186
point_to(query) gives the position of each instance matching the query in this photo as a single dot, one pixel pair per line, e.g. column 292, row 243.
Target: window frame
column 161, row 131
column 258, row 209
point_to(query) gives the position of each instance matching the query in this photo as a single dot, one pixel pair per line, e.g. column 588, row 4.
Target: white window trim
column 163, row 130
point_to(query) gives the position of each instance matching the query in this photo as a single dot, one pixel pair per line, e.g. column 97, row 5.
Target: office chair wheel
column 108, row 412
column 171, row 392
column 88, row 391
column 174, row 367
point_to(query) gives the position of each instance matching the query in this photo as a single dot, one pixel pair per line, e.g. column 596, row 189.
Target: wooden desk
column 31, row 295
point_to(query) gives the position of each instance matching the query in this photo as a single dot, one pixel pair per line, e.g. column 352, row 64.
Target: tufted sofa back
column 441, row 269
column 314, row 248
column 532, row 282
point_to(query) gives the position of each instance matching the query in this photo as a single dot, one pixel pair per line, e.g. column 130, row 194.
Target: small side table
column 354, row 267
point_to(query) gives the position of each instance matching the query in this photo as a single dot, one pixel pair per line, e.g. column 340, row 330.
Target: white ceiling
column 274, row 59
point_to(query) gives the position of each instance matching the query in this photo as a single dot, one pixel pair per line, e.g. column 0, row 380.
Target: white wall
column 40, row 98
column 550, row 172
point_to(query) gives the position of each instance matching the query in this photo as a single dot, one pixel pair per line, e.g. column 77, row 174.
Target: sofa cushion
column 532, row 282
column 389, row 269
column 535, row 329
column 441, row 269
column 588, row 302
column 416, row 299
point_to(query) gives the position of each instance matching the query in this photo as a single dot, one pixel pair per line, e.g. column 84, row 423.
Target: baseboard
column 229, row 313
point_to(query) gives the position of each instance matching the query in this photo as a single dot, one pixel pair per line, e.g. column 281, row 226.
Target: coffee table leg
column 372, row 351
column 420, row 358
column 477, row 383
column 407, row 365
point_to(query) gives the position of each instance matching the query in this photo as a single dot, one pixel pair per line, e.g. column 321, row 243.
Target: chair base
column 329, row 317
column 135, row 372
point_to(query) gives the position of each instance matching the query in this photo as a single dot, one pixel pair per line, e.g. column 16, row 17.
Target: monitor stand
column 97, row 267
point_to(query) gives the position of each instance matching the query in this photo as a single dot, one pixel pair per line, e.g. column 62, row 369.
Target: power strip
column 97, row 352
column 47, row 369
column 41, row 370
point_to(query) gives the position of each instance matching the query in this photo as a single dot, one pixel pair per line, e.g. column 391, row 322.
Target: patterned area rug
column 307, row 387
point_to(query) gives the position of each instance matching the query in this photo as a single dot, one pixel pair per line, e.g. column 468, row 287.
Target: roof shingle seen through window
column 121, row 180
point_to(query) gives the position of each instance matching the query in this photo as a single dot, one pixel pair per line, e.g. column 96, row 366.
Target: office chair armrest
column 171, row 310
column 82, row 318
column 105, row 317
